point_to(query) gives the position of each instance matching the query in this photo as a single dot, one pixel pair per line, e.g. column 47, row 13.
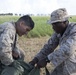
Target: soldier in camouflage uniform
column 62, row 58
column 9, row 51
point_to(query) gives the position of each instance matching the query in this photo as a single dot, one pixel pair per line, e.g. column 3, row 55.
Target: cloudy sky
column 36, row 6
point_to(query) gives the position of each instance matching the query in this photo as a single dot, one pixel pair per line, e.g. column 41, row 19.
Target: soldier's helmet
column 58, row 15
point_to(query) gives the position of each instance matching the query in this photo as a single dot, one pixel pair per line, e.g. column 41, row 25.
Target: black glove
column 34, row 61
column 43, row 62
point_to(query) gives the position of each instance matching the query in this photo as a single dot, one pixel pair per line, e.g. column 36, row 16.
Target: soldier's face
column 58, row 27
column 23, row 29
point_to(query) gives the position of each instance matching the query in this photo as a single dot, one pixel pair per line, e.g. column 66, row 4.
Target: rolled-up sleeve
column 6, row 40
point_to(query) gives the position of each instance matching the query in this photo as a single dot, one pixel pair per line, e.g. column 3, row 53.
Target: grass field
column 40, row 35
column 32, row 46
column 41, row 27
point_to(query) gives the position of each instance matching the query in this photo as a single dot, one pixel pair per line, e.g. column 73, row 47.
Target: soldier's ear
column 22, row 23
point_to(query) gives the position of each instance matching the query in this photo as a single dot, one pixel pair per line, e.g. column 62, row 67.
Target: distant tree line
column 11, row 14
column 4, row 14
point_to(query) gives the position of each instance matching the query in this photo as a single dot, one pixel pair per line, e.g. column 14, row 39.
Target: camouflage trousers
column 59, row 71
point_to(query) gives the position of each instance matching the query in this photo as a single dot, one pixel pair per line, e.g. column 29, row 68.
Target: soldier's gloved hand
column 34, row 61
column 43, row 62
column 15, row 55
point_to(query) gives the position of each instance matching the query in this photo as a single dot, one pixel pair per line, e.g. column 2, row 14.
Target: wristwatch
column 47, row 60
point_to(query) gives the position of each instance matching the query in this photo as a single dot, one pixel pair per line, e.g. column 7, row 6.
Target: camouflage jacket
column 66, row 51
column 7, row 39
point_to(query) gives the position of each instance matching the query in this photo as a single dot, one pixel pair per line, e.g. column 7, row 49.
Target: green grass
column 73, row 19
column 8, row 18
column 41, row 27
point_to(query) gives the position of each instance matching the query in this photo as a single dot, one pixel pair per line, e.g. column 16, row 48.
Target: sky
column 36, row 6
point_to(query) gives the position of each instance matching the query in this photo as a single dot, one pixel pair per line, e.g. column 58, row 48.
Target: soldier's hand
column 15, row 55
column 43, row 62
column 34, row 61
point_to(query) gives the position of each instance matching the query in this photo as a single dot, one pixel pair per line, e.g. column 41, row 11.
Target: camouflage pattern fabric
column 65, row 53
column 59, row 15
column 7, row 37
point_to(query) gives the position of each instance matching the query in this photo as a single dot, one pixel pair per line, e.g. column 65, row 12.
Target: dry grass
column 32, row 46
